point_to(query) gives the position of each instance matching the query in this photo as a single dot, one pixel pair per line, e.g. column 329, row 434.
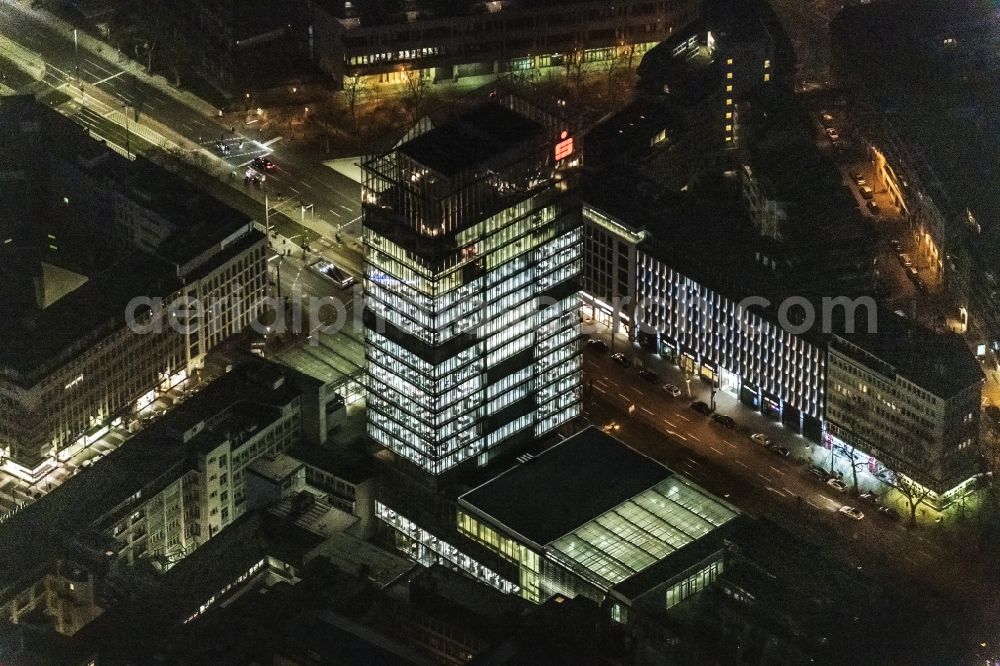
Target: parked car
column 779, row 450
column 701, row 407
column 621, row 360
column 672, row 390
column 761, row 438
column 866, row 192
column 599, row 346
column 851, row 512
column 825, row 117
column 832, row 134
column 896, row 245
column 869, row 497
column 724, row 421
column 857, row 178
column 889, row 512
column 649, row 376
column 873, row 207
column 905, row 260
column 837, row 485
column 819, row 473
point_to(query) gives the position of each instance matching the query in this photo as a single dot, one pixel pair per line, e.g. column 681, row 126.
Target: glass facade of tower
column 471, row 260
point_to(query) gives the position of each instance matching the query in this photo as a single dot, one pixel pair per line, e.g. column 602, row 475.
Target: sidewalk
column 112, row 56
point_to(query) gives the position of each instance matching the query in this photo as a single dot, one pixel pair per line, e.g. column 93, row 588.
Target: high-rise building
column 472, row 240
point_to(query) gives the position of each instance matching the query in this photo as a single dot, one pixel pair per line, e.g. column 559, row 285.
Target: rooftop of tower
column 471, row 139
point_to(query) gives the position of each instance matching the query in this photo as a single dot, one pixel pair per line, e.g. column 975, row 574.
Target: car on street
column 649, row 376
column 873, row 207
column 622, row 360
column 851, row 512
column 724, row 421
column 837, row 485
column 262, row 163
column 761, row 438
column 779, row 450
column 701, row 407
column 819, row 473
column 857, row 178
column 826, row 117
column 905, row 260
column 866, row 192
column 832, row 134
column 896, row 245
column 599, row 346
column 672, row 390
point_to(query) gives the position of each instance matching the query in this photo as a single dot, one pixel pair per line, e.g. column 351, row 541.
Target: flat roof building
column 591, row 516
column 96, row 244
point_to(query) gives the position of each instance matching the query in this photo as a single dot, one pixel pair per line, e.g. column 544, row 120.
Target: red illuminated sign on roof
column 565, row 146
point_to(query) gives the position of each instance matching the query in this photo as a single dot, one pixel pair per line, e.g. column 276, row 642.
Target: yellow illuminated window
column 729, row 88
column 729, row 61
column 729, row 101
column 729, row 138
column 729, row 75
column 729, row 128
column 767, row 76
column 729, row 114
column 767, row 64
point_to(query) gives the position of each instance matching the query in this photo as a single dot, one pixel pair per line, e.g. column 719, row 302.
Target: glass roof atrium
column 641, row 531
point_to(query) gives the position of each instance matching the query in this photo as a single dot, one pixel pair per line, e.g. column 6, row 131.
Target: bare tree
column 355, row 91
column 416, row 92
column 573, row 64
column 915, row 494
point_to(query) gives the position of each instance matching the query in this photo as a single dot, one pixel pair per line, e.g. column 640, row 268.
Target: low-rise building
column 155, row 499
column 644, row 535
column 382, row 41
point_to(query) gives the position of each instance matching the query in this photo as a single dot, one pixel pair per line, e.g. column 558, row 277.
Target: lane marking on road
column 926, row 554
column 334, row 212
column 347, row 208
column 740, row 462
column 684, row 417
column 271, row 141
column 599, row 382
column 785, row 488
column 776, row 492
column 717, row 450
column 776, row 470
column 625, row 396
column 294, row 190
column 639, row 392
column 694, row 437
column 669, row 423
column 815, row 506
column 766, row 478
column 306, row 184
column 692, row 461
column 677, row 434
column 600, row 389
column 646, row 410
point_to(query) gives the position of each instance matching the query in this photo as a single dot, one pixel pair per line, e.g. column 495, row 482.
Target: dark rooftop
column 471, row 139
column 32, row 537
column 58, row 224
column 939, row 363
column 565, row 486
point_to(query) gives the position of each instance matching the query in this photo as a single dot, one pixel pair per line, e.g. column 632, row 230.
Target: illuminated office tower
column 473, row 246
